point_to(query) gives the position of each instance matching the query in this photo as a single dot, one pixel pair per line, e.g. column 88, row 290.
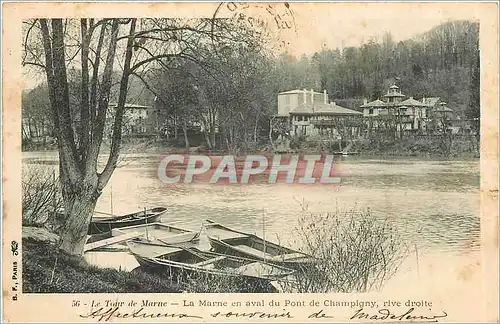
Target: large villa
column 311, row 113
column 409, row 113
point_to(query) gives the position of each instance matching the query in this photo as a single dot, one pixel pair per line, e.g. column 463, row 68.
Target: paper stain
column 467, row 272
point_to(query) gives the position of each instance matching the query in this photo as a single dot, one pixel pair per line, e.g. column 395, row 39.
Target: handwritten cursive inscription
column 386, row 314
column 284, row 314
column 106, row 314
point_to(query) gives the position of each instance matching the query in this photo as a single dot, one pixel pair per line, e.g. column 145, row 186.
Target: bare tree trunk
column 255, row 129
column 186, row 139
column 213, row 143
column 80, row 182
column 271, row 132
column 207, row 139
column 79, row 208
column 175, row 126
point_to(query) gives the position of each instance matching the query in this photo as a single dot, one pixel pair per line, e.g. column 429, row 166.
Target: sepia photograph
column 297, row 160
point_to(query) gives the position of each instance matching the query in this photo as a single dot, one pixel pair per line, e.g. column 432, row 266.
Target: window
column 370, row 111
column 299, row 118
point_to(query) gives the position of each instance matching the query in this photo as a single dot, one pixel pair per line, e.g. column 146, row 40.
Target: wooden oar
column 103, row 213
column 183, row 247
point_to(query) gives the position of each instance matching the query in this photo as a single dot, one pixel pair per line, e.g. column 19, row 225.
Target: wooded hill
column 439, row 63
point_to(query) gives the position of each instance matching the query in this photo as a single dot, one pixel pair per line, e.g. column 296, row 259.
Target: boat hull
column 103, row 226
column 242, row 284
column 219, row 247
column 291, row 258
column 180, row 275
column 159, row 233
column 182, row 263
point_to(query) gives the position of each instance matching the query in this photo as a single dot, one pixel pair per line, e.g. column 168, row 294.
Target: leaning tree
column 98, row 49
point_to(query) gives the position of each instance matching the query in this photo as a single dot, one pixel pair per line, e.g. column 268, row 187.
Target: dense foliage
column 230, row 94
column 443, row 62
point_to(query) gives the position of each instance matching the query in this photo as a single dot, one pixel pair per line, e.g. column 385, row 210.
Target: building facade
column 138, row 120
column 401, row 112
column 309, row 113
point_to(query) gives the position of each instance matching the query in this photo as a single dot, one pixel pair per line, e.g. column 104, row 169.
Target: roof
column 393, row 87
column 443, row 109
column 413, row 102
column 397, row 94
column 298, row 91
column 375, row 103
column 323, row 109
column 130, row 106
column 432, row 101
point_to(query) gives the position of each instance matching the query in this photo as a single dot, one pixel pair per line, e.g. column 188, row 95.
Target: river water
column 434, row 204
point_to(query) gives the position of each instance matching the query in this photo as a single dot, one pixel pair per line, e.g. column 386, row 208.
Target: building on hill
column 138, row 120
column 310, row 113
column 400, row 112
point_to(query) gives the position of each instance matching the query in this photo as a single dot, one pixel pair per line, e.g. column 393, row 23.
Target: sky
column 339, row 25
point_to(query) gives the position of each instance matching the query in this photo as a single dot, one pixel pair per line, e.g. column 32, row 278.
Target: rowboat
column 101, row 225
column 159, row 233
column 229, row 241
column 189, row 261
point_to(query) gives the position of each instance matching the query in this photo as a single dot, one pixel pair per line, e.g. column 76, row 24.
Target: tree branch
column 104, row 90
column 118, row 122
column 33, row 24
column 84, row 104
column 95, row 75
column 34, row 64
column 54, row 57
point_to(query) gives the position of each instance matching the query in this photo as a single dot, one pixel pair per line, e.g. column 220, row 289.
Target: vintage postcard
column 250, row 162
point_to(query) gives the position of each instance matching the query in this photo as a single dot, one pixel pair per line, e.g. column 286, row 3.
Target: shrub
column 41, row 195
column 356, row 252
column 46, row 270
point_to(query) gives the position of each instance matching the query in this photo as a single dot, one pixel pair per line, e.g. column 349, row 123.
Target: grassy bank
column 459, row 147
column 45, row 270
column 426, row 147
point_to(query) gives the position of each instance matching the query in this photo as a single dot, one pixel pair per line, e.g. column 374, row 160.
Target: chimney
column 332, row 103
column 423, row 99
column 312, row 96
column 305, row 96
column 365, row 101
column 325, row 97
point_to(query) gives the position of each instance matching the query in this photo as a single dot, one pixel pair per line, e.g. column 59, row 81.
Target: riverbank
column 47, row 270
column 427, row 149
column 458, row 148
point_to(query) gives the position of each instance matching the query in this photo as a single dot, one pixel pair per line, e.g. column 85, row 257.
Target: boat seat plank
column 210, row 261
column 222, row 234
column 177, row 238
column 109, row 241
column 287, row 257
column 257, row 269
column 249, row 250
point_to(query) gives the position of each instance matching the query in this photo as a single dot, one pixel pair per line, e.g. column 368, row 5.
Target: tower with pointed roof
column 394, row 95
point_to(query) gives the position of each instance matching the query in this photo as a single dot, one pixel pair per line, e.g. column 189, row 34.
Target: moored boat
column 159, row 233
column 229, row 241
column 189, row 261
column 102, row 225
